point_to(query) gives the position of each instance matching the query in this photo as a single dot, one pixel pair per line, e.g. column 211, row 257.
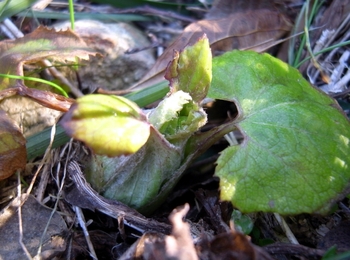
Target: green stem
column 308, row 20
column 71, row 14
column 64, row 93
column 323, row 51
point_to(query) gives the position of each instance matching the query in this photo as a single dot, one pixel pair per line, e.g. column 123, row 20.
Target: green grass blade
column 38, row 143
column 12, row 7
column 64, row 93
column 80, row 16
column 291, row 52
column 71, row 14
column 3, row 6
column 149, row 95
column 308, row 20
column 323, row 51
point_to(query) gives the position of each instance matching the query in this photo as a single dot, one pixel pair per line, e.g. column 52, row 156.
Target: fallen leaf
column 43, row 43
column 157, row 246
column 233, row 245
column 33, row 47
column 295, row 154
column 179, row 245
column 254, row 29
column 13, row 154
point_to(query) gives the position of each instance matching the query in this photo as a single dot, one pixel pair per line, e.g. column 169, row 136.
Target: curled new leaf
column 178, row 117
column 144, row 179
column 190, row 70
column 109, row 125
column 295, row 153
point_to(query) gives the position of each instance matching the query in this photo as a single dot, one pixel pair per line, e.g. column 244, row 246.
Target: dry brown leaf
column 179, row 244
column 254, row 29
column 233, row 245
column 329, row 21
column 38, row 45
column 13, row 154
column 157, row 246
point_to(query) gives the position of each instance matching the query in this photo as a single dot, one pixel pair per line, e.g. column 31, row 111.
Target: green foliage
column 144, row 179
column 243, row 223
column 110, row 125
column 294, row 157
column 136, row 179
column 178, row 117
column 71, row 14
column 294, row 58
column 331, row 254
column 137, row 3
column 12, row 7
column 189, row 75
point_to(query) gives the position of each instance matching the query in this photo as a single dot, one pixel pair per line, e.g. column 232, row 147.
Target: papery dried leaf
column 46, row 98
column 234, row 245
column 13, row 155
column 254, row 29
column 38, row 45
column 157, row 246
column 179, row 245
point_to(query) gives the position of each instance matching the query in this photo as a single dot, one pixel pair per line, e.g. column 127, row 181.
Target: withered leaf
column 38, row 45
column 13, row 155
column 43, row 43
column 234, row 245
column 252, row 29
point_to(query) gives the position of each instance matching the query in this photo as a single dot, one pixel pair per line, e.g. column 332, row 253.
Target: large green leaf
column 295, row 153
